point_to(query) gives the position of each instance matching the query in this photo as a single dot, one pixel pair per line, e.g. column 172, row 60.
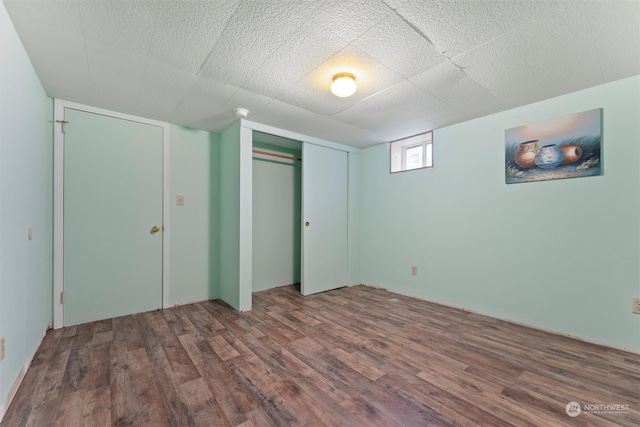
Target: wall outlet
column 1, row 348
column 414, row 270
column 636, row 306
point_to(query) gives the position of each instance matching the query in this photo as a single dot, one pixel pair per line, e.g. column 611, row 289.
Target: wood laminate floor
column 351, row 357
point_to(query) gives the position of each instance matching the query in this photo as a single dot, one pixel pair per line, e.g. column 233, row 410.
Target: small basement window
column 414, row 152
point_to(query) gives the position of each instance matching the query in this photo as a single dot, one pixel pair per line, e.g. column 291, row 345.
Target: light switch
column 180, row 200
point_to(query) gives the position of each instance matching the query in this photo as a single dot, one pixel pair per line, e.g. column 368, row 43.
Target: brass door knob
column 155, row 229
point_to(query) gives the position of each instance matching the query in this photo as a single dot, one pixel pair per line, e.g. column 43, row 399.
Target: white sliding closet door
column 325, row 217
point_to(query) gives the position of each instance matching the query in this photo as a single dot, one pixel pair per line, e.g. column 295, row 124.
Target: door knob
column 306, row 223
column 155, row 229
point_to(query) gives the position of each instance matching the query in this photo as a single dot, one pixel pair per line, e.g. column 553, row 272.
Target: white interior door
column 325, row 219
column 113, row 199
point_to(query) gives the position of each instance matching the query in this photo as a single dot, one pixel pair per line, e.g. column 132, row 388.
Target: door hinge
column 63, row 123
column 62, row 297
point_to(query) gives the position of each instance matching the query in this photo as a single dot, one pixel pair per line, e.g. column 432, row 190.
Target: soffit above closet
column 419, row 64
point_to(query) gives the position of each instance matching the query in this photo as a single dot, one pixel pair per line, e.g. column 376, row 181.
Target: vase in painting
column 572, row 153
column 549, row 156
column 525, row 156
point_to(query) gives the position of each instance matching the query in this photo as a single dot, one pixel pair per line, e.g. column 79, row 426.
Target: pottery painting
column 566, row 147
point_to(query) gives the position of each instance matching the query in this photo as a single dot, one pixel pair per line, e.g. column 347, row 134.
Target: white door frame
column 58, row 200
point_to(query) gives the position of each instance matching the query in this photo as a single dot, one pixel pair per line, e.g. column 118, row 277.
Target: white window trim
column 398, row 150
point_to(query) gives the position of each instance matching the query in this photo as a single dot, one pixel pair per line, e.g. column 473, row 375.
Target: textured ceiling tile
column 414, row 124
column 59, row 57
column 403, row 94
column 186, row 32
column 334, row 130
column 252, row 37
column 511, row 74
column 410, row 98
column 438, row 77
column 163, row 87
column 124, row 24
column 452, row 26
column 394, row 43
column 554, row 40
column 616, row 47
column 436, row 109
column 63, row 12
column 368, row 117
column 116, row 75
column 394, row 4
column 498, row 54
column 217, row 123
column 303, row 7
column 249, row 100
column 313, row 91
column 282, row 115
column 295, row 119
column 309, row 45
column 205, row 99
column 350, row 18
column 512, row 14
column 452, row 86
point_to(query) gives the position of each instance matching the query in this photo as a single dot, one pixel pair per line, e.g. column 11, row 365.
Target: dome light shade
column 344, row 84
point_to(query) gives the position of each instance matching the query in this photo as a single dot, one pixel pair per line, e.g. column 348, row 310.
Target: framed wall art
column 565, row 147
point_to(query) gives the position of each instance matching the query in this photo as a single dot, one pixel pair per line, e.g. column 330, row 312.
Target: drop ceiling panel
column 350, row 18
column 310, row 45
column 452, row 26
column 62, row 14
column 163, row 87
column 418, row 64
column 255, row 32
column 414, row 55
column 295, row 119
column 206, row 98
column 61, row 58
column 249, row 100
column 370, row 117
column 511, row 78
column 303, row 7
column 186, row 32
column 313, row 92
column 618, row 51
column 126, row 25
column 451, row 85
column 115, row 74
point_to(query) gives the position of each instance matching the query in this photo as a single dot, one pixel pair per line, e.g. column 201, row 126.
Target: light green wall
column 353, row 243
column 194, row 245
column 230, row 215
column 235, row 217
column 276, row 219
column 26, row 192
column 561, row 255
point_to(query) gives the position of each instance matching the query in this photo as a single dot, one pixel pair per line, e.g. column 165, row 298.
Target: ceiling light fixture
column 344, row 84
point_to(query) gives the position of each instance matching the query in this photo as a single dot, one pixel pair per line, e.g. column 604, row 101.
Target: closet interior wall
column 277, row 178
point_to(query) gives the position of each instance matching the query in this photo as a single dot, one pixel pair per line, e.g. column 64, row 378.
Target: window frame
column 398, row 152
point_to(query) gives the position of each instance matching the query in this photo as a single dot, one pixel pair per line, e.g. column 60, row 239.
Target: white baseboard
column 14, row 387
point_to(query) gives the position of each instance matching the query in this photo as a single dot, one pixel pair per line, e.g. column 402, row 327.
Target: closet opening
column 277, row 207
